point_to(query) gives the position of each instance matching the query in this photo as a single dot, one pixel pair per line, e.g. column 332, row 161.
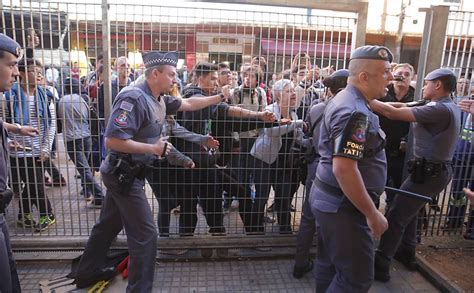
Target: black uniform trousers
column 402, row 215
column 130, row 210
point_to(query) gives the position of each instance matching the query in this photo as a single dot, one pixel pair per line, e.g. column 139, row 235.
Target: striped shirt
column 37, row 145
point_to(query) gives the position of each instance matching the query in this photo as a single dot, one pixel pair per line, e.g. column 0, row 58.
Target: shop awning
column 292, row 48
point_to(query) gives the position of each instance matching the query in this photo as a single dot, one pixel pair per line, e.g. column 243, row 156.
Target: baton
column 410, row 194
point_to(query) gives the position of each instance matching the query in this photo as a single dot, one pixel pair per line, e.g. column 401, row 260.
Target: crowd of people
column 208, row 136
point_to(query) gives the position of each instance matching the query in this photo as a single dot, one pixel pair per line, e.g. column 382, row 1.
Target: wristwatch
column 18, row 127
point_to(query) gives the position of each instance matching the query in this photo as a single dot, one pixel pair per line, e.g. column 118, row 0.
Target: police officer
column 133, row 138
column 303, row 264
column 436, row 130
column 10, row 53
column 350, row 176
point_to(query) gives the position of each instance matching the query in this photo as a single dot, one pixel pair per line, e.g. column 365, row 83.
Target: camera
column 398, row 78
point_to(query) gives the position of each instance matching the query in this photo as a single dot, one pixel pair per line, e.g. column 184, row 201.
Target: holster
column 5, row 198
column 126, row 169
column 420, row 169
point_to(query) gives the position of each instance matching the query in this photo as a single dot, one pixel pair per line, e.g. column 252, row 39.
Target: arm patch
column 350, row 143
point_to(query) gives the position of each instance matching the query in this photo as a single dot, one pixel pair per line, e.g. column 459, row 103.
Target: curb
column 435, row 277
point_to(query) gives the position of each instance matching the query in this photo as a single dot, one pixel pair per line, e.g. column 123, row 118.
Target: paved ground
column 255, row 275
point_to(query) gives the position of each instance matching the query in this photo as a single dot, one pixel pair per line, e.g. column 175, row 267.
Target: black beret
column 9, row 45
column 156, row 58
column 372, row 52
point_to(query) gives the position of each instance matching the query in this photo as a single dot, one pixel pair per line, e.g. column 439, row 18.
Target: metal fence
column 68, row 39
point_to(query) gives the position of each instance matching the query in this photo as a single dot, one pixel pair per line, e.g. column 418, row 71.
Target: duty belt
column 336, row 191
column 122, row 164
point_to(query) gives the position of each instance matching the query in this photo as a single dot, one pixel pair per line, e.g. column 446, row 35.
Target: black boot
column 406, row 256
column 381, row 268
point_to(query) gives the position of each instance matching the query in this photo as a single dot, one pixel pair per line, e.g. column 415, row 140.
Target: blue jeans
column 79, row 151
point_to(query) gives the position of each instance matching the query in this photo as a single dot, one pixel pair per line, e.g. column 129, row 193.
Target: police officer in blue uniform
column 133, row 136
column 436, row 129
column 10, row 53
column 350, row 176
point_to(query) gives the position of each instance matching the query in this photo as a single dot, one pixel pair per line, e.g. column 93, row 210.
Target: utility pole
column 384, row 17
column 401, row 20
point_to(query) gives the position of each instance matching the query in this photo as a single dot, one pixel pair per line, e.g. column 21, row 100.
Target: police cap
column 9, row 45
column 449, row 79
column 155, row 58
column 340, row 73
column 372, row 52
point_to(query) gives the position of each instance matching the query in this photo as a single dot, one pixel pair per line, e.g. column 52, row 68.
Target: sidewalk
column 254, row 275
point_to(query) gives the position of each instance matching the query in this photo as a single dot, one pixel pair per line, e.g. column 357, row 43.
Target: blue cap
column 340, row 73
column 373, row 53
column 438, row 73
column 449, row 84
column 9, row 45
column 156, row 58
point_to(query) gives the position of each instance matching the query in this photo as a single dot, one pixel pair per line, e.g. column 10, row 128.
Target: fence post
column 107, row 57
column 359, row 35
column 432, row 44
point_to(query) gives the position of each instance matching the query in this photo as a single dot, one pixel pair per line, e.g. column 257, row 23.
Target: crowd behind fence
column 61, row 194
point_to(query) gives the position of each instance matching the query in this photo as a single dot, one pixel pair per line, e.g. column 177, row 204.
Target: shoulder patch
column 124, row 105
column 350, row 143
column 122, row 119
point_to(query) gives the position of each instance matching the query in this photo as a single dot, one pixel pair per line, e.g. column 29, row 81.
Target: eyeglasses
column 225, row 72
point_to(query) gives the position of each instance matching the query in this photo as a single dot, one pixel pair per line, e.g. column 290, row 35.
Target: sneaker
column 26, row 221
column 56, row 182
column 45, row 222
column 299, row 273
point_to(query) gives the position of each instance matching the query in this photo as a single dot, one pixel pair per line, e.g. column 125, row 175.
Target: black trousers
column 163, row 180
column 30, row 172
column 200, row 185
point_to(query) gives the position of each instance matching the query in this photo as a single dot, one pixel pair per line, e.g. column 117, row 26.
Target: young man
column 28, row 104
column 436, row 129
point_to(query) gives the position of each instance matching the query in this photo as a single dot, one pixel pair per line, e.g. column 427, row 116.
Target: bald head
column 370, row 76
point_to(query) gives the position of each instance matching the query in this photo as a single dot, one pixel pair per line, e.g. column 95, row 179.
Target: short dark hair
column 204, row 68
column 99, row 57
column 449, row 83
column 25, row 62
column 223, row 65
